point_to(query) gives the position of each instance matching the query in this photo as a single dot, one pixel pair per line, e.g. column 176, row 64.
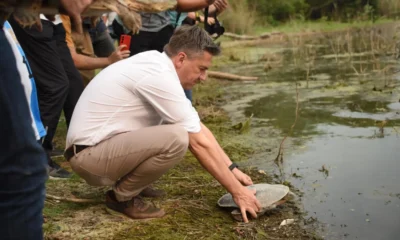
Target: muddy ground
column 191, row 198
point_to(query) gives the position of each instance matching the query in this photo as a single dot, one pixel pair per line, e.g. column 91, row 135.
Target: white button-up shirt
column 140, row 91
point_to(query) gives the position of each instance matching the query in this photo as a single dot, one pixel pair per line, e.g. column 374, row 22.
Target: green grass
column 301, row 26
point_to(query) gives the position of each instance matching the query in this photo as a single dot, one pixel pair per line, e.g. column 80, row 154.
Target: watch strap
column 233, row 166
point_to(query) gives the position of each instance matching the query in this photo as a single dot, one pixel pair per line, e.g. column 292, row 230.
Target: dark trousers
column 103, row 44
column 59, row 84
column 189, row 94
column 145, row 41
column 75, row 80
column 22, row 159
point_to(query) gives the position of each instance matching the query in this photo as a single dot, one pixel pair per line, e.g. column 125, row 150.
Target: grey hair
column 191, row 40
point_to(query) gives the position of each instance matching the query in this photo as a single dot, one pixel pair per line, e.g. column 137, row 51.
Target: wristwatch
column 233, row 166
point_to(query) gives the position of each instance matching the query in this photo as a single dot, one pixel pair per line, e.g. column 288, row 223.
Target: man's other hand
column 247, row 202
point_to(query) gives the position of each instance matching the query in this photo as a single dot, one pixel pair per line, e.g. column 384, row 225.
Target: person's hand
column 247, row 202
column 210, row 20
column 242, row 177
column 220, row 5
column 119, row 54
column 74, row 8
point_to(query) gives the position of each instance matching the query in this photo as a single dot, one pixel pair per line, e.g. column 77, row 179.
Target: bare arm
column 218, row 6
column 243, row 178
column 206, row 151
column 192, row 5
column 83, row 62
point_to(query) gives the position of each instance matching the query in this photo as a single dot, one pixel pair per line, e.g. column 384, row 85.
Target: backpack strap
column 206, row 25
column 178, row 15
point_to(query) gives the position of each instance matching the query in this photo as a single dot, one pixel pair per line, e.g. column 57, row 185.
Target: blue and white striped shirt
column 27, row 81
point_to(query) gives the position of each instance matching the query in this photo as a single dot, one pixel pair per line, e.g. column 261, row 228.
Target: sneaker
column 135, row 208
column 152, row 192
column 57, row 153
column 56, row 172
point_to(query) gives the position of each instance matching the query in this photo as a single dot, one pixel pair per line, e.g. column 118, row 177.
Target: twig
column 279, row 158
column 75, row 200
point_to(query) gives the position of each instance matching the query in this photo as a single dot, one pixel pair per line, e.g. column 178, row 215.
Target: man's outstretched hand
column 242, row 177
column 247, row 202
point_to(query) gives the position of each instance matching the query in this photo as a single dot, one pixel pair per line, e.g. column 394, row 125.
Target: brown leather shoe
column 135, row 208
column 152, row 192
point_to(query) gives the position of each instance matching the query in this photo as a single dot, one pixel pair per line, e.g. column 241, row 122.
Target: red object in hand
column 126, row 40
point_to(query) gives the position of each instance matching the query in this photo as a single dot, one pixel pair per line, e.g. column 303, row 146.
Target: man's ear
column 180, row 59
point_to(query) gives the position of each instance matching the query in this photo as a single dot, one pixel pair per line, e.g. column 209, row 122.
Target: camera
column 215, row 28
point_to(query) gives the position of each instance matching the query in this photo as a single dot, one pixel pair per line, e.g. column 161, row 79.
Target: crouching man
column 133, row 123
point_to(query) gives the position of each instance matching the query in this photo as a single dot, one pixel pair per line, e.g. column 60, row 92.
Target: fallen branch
column 229, row 76
column 73, row 199
column 246, row 37
column 279, row 158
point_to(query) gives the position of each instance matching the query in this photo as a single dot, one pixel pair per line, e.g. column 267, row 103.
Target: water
column 359, row 196
column 344, row 151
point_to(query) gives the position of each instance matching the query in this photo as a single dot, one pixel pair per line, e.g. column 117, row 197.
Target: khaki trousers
column 132, row 161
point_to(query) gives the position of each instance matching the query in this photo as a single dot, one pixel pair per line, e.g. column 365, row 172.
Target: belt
column 74, row 149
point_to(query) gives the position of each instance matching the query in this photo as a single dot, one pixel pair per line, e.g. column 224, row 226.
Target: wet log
column 240, row 37
column 247, row 37
column 229, row 76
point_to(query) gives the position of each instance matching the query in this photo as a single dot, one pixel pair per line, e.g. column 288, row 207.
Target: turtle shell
column 267, row 194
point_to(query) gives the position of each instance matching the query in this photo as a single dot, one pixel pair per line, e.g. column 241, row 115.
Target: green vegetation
column 255, row 16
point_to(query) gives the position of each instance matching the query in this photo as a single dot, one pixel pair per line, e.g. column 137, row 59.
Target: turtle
column 269, row 196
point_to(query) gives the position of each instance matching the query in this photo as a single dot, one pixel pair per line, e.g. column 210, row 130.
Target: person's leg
column 22, row 159
column 141, row 42
column 48, row 71
column 162, row 38
column 75, row 79
column 188, row 94
column 51, row 80
column 103, row 44
column 132, row 161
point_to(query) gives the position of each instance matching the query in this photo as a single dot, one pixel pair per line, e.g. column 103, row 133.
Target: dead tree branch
column 72, row 199
column 279, row 157
column 229, row 76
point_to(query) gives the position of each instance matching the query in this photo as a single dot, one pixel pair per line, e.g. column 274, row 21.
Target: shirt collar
column 169, row 61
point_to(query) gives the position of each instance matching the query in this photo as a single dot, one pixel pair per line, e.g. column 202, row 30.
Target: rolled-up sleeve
column 68, row 32
column 165, row 93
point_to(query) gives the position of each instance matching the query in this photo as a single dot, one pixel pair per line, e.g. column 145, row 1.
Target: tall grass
column 239, row 18
column 389, row 7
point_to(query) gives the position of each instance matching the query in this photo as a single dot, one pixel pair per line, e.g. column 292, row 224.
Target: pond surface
column 344, row 151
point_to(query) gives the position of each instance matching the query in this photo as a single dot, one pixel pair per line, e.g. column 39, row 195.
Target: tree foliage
column 274, row 11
